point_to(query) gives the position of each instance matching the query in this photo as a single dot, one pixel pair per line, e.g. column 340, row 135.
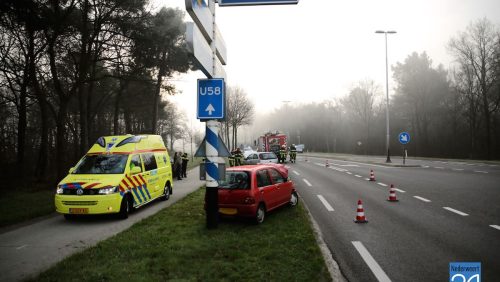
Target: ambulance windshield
column 102, row 164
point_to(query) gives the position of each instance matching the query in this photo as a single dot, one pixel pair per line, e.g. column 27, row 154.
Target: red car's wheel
column 294, row 199
column 260, row 214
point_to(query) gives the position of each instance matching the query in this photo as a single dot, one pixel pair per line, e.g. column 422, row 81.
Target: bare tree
column 359, row 105
column 239, row 111
column 475, row 51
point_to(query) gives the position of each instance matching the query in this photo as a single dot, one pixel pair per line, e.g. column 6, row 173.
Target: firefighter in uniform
column 293, row 153
column 282, row 154
column 232, row 158
column 238, row 157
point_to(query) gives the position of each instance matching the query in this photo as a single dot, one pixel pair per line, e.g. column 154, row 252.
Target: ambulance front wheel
column 125, row 207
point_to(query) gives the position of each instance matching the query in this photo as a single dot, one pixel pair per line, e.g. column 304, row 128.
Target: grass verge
column 175, row 245
column 20, row 205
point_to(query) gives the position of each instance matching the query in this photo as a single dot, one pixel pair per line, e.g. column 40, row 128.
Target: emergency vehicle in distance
column 118, row 174
column 272, row 142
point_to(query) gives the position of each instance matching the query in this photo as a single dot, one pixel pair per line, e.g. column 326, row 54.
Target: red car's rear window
column 235, row 180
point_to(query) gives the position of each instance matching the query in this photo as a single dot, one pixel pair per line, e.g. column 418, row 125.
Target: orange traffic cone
column 392, row 194
column 372, row 175
column 360, row 216
column 327, row 164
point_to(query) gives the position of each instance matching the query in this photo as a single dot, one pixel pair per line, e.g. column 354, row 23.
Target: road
column 28, row 250
column 447, row 212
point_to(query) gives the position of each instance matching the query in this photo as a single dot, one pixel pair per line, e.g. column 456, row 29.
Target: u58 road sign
column 211, row 99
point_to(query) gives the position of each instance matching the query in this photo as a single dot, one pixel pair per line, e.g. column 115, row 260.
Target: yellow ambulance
column 117, row 175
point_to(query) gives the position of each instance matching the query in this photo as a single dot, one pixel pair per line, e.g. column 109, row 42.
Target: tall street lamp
column 387, row 93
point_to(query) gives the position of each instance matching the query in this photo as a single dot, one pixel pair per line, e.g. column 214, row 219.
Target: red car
column 253, row 190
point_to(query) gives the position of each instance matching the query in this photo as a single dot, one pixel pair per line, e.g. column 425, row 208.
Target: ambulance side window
column 135, row 162
column 149, row 161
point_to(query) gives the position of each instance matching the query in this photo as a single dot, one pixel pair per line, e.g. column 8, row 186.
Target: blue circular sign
column 404, row 138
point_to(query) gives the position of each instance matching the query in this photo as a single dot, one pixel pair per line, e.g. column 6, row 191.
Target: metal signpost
column 404, row 138
column 207, row 47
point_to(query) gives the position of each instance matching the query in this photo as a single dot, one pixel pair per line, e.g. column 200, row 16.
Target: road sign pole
column 211, row 163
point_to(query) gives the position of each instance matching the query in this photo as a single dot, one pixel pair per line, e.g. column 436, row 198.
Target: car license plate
column 78, row 210
column 228, row 211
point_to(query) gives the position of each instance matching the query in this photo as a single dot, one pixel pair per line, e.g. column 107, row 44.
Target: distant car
column 252, row 191
column 261, row 158
column 299, row 148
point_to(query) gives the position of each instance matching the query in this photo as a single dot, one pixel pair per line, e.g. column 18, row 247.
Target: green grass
column 20, row 205
column 175, row 245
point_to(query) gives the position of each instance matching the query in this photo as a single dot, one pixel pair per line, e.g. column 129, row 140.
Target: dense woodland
column 74, row 70
column 453, row 113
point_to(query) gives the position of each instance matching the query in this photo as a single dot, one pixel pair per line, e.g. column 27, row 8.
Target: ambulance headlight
column 107, row 191
column 59, row 191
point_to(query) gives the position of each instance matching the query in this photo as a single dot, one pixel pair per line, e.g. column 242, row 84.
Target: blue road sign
column 211, row 99
column 255, row 2
column 404, row 138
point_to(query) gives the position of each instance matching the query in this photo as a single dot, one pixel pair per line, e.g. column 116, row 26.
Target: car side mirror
column 135, row 170
column 71, row 170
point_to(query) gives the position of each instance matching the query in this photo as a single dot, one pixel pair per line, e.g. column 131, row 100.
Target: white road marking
column 349, row 165
column 480, row 171
column 493, row 165
column 296, row 172
column 367, row 179
column 21, row 247
column 358, row 175
column 371, row 262
column 455, row 211
column 399, row 190
column 382, row 184
column 348, row 172
column 422, row 199
column 307, row 182
column 425, row 166
column 495, row 226
column 457, row 169
column 325, row 203
column 439, row 167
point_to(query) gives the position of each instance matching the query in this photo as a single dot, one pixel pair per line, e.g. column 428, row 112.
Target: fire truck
column 272, row 142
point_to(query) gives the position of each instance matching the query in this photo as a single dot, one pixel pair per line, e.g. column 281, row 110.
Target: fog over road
column 448, row 211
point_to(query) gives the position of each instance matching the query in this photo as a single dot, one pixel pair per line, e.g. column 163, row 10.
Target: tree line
column 74, row 70
column 448, row 112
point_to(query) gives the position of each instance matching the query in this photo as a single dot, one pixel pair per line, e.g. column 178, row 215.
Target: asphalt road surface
column 28, row 250
column 447, row 212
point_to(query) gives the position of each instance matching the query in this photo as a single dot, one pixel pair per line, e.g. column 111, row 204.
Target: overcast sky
column 318, row 49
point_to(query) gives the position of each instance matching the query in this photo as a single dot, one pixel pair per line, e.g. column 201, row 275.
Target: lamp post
column 387, row 93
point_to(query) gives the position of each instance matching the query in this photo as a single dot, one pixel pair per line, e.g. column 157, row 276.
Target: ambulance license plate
column 78, row 210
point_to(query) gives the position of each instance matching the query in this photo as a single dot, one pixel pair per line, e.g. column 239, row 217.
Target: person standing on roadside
column 177, row 166
column 185, row 161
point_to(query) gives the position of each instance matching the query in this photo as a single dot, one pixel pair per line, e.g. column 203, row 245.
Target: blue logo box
column 465, row 272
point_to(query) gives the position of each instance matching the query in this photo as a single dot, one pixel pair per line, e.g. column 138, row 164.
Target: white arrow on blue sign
column 211, row 99
column 404, row 138
column 255, row 2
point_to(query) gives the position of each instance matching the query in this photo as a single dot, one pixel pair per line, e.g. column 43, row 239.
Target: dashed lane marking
column 455, row 211
column 425, row 166
column 495, row 226
column 439, row 167
column 325, row 203
column 480, row 171
column 382, row 184
column 348, row 172
column 399, row 190
column 307, row 182
column 371, row 262
column 296, row 172
column 422, row 199
column 457, row 169
column 357, row 175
